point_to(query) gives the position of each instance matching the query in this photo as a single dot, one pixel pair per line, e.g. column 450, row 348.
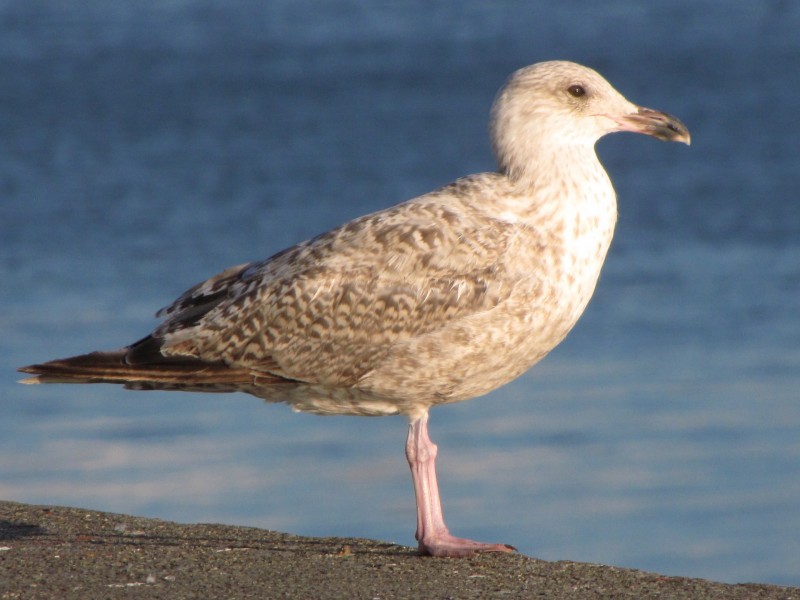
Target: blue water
column 145, row 146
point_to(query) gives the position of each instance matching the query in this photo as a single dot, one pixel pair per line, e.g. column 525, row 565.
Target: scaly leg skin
column 432, row 534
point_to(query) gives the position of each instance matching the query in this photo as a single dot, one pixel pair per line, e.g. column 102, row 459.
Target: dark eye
column 576, row 91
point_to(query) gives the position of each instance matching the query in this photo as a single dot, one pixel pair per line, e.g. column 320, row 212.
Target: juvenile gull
column 439, row 299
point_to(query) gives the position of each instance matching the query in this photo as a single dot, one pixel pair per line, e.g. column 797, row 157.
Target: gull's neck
column 568, row 180
column 564, row 162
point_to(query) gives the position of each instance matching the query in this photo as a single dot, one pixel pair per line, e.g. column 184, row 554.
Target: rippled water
column 146, row 146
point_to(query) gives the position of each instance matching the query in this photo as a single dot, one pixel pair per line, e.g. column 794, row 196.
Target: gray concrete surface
column 55, row 552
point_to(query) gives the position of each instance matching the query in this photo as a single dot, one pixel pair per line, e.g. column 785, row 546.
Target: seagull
column 439, row 299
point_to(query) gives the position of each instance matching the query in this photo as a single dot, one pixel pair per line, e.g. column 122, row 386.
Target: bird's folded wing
column 329, row 310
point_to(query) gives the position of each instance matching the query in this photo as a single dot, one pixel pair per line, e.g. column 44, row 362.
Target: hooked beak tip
column 655, row 123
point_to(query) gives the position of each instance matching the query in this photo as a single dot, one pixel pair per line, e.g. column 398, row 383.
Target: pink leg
column 432, row 533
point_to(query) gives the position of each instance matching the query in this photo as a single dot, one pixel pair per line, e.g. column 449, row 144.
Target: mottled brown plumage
column 439, row 299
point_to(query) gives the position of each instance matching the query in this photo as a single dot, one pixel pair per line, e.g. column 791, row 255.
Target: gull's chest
column 559, row 249
column 586, row 229
column 572, row 231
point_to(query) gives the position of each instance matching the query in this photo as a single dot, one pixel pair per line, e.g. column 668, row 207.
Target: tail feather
column 113, row 367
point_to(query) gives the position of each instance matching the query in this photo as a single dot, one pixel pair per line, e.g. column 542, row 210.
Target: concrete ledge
column 54, row 552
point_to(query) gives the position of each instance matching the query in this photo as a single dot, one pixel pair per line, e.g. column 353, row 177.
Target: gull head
column 558, row 104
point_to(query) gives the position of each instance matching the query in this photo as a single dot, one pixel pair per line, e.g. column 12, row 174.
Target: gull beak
column 653, row 122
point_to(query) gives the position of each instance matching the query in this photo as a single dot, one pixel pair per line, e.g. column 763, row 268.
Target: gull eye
column 576, row 91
